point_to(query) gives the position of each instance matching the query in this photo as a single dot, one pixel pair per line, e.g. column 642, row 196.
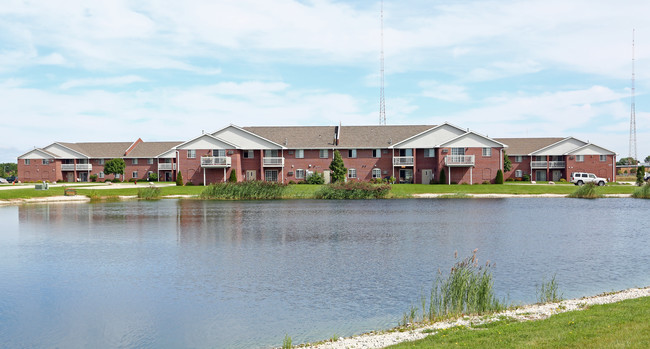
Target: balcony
column 84, row 167
column 273, row 161
column 215, row 161
column 67, row 167
column 548, row 164
column 166, row 166
column 459, row 160
column 403, row 161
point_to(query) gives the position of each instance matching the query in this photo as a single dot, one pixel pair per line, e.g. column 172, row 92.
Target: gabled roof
column 245, row 139
column 322, row 137
column 526, row 146
column 477, row 138
column 151, row 149
column 208, row 136
column 590, row 145
column 99, row 149
column 43, row 154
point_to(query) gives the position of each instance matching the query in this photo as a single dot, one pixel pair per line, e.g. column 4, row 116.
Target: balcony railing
column 403, row 161
column 459, row 160
column 550, row 164
column 215, row 161
column 67, row 167
column 166, row 166
column 84, row 167
column 273, row 161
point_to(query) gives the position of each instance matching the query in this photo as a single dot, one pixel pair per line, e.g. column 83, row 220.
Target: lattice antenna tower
column 382, row 101
column 633, row 153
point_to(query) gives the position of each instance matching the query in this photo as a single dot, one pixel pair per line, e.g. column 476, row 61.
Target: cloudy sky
column 78, row 70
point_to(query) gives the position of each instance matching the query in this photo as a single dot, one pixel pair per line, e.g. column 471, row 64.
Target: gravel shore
column 524, row 313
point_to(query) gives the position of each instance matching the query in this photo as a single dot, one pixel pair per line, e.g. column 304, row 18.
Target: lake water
column 185, row 273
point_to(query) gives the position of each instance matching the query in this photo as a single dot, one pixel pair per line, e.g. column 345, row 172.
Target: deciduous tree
column 114, row 166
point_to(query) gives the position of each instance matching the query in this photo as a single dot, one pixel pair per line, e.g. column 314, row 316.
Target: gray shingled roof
column 151, row 149
column 298, row 137
column 100, row 149
column 525, row 146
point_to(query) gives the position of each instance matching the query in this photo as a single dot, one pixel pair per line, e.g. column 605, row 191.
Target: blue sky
column 78, row 71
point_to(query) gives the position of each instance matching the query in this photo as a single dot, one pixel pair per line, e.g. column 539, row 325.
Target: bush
column 443, row 176
column 189, row 184
column 352, row 190
column 149, row 193
column 525, row 178
column 499, row 179
column 315, row 178
column 391, row 180
column 643, row 192
column 116, row 180
column 292, row 182
column 510, row 180
column 251, row 190
column 131, row 180
column 587, row 191
column 153, row 177
column 562, row 180
column 486, row 182
column 640, row 173
column 93, row 178
column 179, row 179
column 233, row 176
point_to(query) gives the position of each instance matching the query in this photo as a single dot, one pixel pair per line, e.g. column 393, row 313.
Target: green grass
column 617, row 325
column 643, row 192
column 254, row 190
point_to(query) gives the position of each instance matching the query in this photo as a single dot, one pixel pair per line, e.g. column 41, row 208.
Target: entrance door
column 83, row 177
column 427, row 176
column 168, row 176
column 250, row 175
column 406, row 176
column 326, row 176
column 557, row 174
column 271, row 175
column 69, row 177
column 540, row 175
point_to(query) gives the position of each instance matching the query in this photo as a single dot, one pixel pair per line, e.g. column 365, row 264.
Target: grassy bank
column 622, row 324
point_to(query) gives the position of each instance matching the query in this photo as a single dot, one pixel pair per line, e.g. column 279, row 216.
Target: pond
column 189, row 273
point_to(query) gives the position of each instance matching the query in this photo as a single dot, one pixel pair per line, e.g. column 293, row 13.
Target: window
column 150, row 161
column 100, row 161
column 519, row 158
column 487, row 152
column 376, row 153
column 406, row 152
column 134, row 174
column 271, row 153
column 300, row 153
column 191, row 153
column 100, row 175
column 46, row 161
column 539, row 158
column 271, row 175
column 300, row 174
column 518, row 174
column 249, row 154
column 27, row 161
column 219, row 153
column 603, row 158
column 376, row 173
column 429, row 153
column 134, row 161
column 457, row 151
column 323, row 154
column 352, row 173
column 580, row 158
column 352, row 153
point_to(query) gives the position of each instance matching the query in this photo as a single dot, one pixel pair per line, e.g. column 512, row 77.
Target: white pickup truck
column 580, row 178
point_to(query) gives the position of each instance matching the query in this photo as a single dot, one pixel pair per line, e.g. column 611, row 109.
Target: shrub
column 525, row 178
column 639, row 175
column 499, row 179
column 292, row 182
column 643, row 192
column 179, row 179
column 189, row 184
column 587, row 191
column 315, row 178
column 391, row 180
column 352, row 190
column 486, row 182
column 443, row 176
column 510, row 180
column 131, row 180
column 149, row 193
column 153, row 177
column 233, row 176
column 93, row 178
column 116, row 180
column 562, row 180
column 251, row 190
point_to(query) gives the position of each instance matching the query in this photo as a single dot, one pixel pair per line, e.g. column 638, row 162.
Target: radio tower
column 382, row 102
column 633, row 153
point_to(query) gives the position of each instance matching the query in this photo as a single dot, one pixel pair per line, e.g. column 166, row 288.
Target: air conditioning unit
column 290, row 152
column 445, row 151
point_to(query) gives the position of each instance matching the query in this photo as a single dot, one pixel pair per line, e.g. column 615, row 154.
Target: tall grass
column 548, row 291
column 352, row 190
column 643, row 192
column 149, row 193
column 253, row 190
column 468, row 289
column 286, row 342
column 587, row 191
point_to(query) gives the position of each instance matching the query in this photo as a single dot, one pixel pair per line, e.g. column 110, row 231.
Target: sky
column 84, row 71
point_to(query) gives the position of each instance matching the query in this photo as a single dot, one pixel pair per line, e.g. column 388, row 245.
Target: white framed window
column 352, row 153
column 406, row 152
column 518, row 173
column 429, row 153
column 100, row 175
column 580, row 158
column 101, row 161
column 457, row 151
column 27, row 161
column 487, row 152
column 519, row 158
column 376, row 173
column 249, row 154
column 323, row 154
column 352, row 173
column 219, row 153
column 191, row 153
column 46, row 161
column 134, row 174
column 300, row 153
column 271, row 175
column 150, row 161
column 376, row 153
column 134, row 161
column 271, row 153
column 603, row 158
column 300, row 174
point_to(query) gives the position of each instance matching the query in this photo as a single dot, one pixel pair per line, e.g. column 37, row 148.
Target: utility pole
column 633, row 153
column 382, row 101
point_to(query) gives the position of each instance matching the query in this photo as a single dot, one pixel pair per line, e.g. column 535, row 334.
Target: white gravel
column 524, row 313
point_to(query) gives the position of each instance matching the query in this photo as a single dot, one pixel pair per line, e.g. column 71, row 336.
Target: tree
column 640, row 173
column 8, row 169
column 179, row 179
column 233, row 176
column 443, row 176
column 507, row 165
column 647, row 159
column 499, row 179
column 339, row 172
column 114, row 166
column 626, row 161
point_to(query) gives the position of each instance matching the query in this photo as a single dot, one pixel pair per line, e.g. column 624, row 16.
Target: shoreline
column 532, row 312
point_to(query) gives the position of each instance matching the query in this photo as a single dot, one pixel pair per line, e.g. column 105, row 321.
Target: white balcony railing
column 459, row 160
column 166, row 166
column 215, row 161
column 403, row 161
column 550, row 164
column 273, row 161
column 84, row 167
column 67, row 167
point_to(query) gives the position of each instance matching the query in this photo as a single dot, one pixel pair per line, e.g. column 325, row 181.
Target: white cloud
column 113, row 81
column 445, row 92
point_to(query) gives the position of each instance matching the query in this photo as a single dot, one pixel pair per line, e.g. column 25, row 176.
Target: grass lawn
column 617, row 325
